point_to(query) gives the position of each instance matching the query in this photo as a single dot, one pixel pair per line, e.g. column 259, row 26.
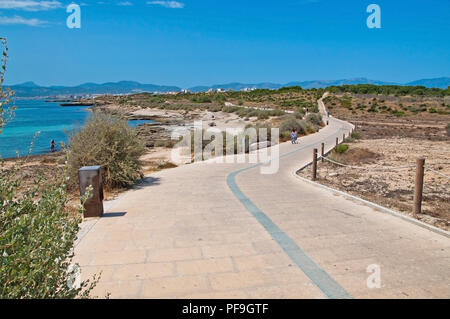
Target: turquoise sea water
column 50, row 119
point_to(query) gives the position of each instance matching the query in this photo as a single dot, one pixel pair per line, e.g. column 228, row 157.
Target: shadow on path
column 147, row 181
column 110, row 215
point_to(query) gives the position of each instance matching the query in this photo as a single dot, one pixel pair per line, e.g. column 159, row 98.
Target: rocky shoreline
column 166, row 122
column 153, row 134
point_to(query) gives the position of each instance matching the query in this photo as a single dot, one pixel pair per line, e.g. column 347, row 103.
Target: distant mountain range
column 31, row 89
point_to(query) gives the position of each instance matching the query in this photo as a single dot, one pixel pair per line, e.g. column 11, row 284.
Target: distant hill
column 441, row 83
column 237, row 86
column 31, row 89
column 324, row 84
column 28, row 85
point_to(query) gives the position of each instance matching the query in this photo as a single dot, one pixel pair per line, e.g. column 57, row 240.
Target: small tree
column 36, row 232
column 6, row 109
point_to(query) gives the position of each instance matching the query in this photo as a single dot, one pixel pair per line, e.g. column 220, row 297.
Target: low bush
column 361, row 106
column 314, row 118
column 447, row 128
column 373, row 109
column 314, row 109
column 107, row 141
column 215, row 108
column 299, row 115
column 397, row 113
column 341, row 148
column 291, row 123
column 165, row 143
column 201, row 99
column 258, row 128
column 37, row 232
column 414, row 109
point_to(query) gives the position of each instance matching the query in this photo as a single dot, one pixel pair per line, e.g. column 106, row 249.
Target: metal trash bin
column 91, row 175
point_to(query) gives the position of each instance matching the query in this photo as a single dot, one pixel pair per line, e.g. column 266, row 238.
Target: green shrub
column 165, row 143
column 447, row 128
column 373, row 109
column 201, row 99
column 346, row 101
column 349, row 139
column 314, row 109
column 275, row 112
column 299, row 115
column 355, row 135
column 230, row 109
column 263, row 115
column 314, row 118
column 397, row 112
column 414, row 109
column 292, row 123
column 36, row 234
column 107, row 141
column 215, row 108
column 258, row 127
column 432, row 110
column 341, row 148
column 361, row 106
column 6, row 109
column 36, row 240
column 396, row 90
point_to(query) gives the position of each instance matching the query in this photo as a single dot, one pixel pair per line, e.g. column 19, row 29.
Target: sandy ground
column 222, row 120
column 158, row 158
column 155, row 159
column 157, row 113
column 393, row 188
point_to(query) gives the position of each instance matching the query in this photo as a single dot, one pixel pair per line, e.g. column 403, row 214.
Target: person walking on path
column 294, row 136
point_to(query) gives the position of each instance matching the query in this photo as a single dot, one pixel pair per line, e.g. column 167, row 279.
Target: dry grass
column 393, row 188
column 356, row 156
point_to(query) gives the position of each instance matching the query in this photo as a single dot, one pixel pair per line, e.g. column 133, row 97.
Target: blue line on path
column 318, row 276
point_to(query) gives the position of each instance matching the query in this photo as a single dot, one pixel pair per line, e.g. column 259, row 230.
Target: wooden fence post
column 418, row 188
column 314, row 165
column 323, row 151
column 337, row 141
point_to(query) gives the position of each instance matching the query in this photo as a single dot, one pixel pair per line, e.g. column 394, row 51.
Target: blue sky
column 203, row 42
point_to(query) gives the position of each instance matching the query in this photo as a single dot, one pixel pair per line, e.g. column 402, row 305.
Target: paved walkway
column 226, row 231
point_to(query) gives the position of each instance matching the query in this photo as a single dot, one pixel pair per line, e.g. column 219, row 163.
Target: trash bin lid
column 90, row 168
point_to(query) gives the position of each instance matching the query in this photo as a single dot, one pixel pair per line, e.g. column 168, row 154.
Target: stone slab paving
column 183, row 233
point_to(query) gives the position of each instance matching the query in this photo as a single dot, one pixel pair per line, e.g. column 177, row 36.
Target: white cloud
column 20, row 20
column 168, row 4
column 125, row 3
column 30, row 5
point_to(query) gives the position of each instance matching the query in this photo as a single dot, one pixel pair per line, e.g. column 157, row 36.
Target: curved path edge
column 318, row 276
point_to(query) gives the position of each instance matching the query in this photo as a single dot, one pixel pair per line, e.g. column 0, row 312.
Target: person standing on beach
column 52, row 146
